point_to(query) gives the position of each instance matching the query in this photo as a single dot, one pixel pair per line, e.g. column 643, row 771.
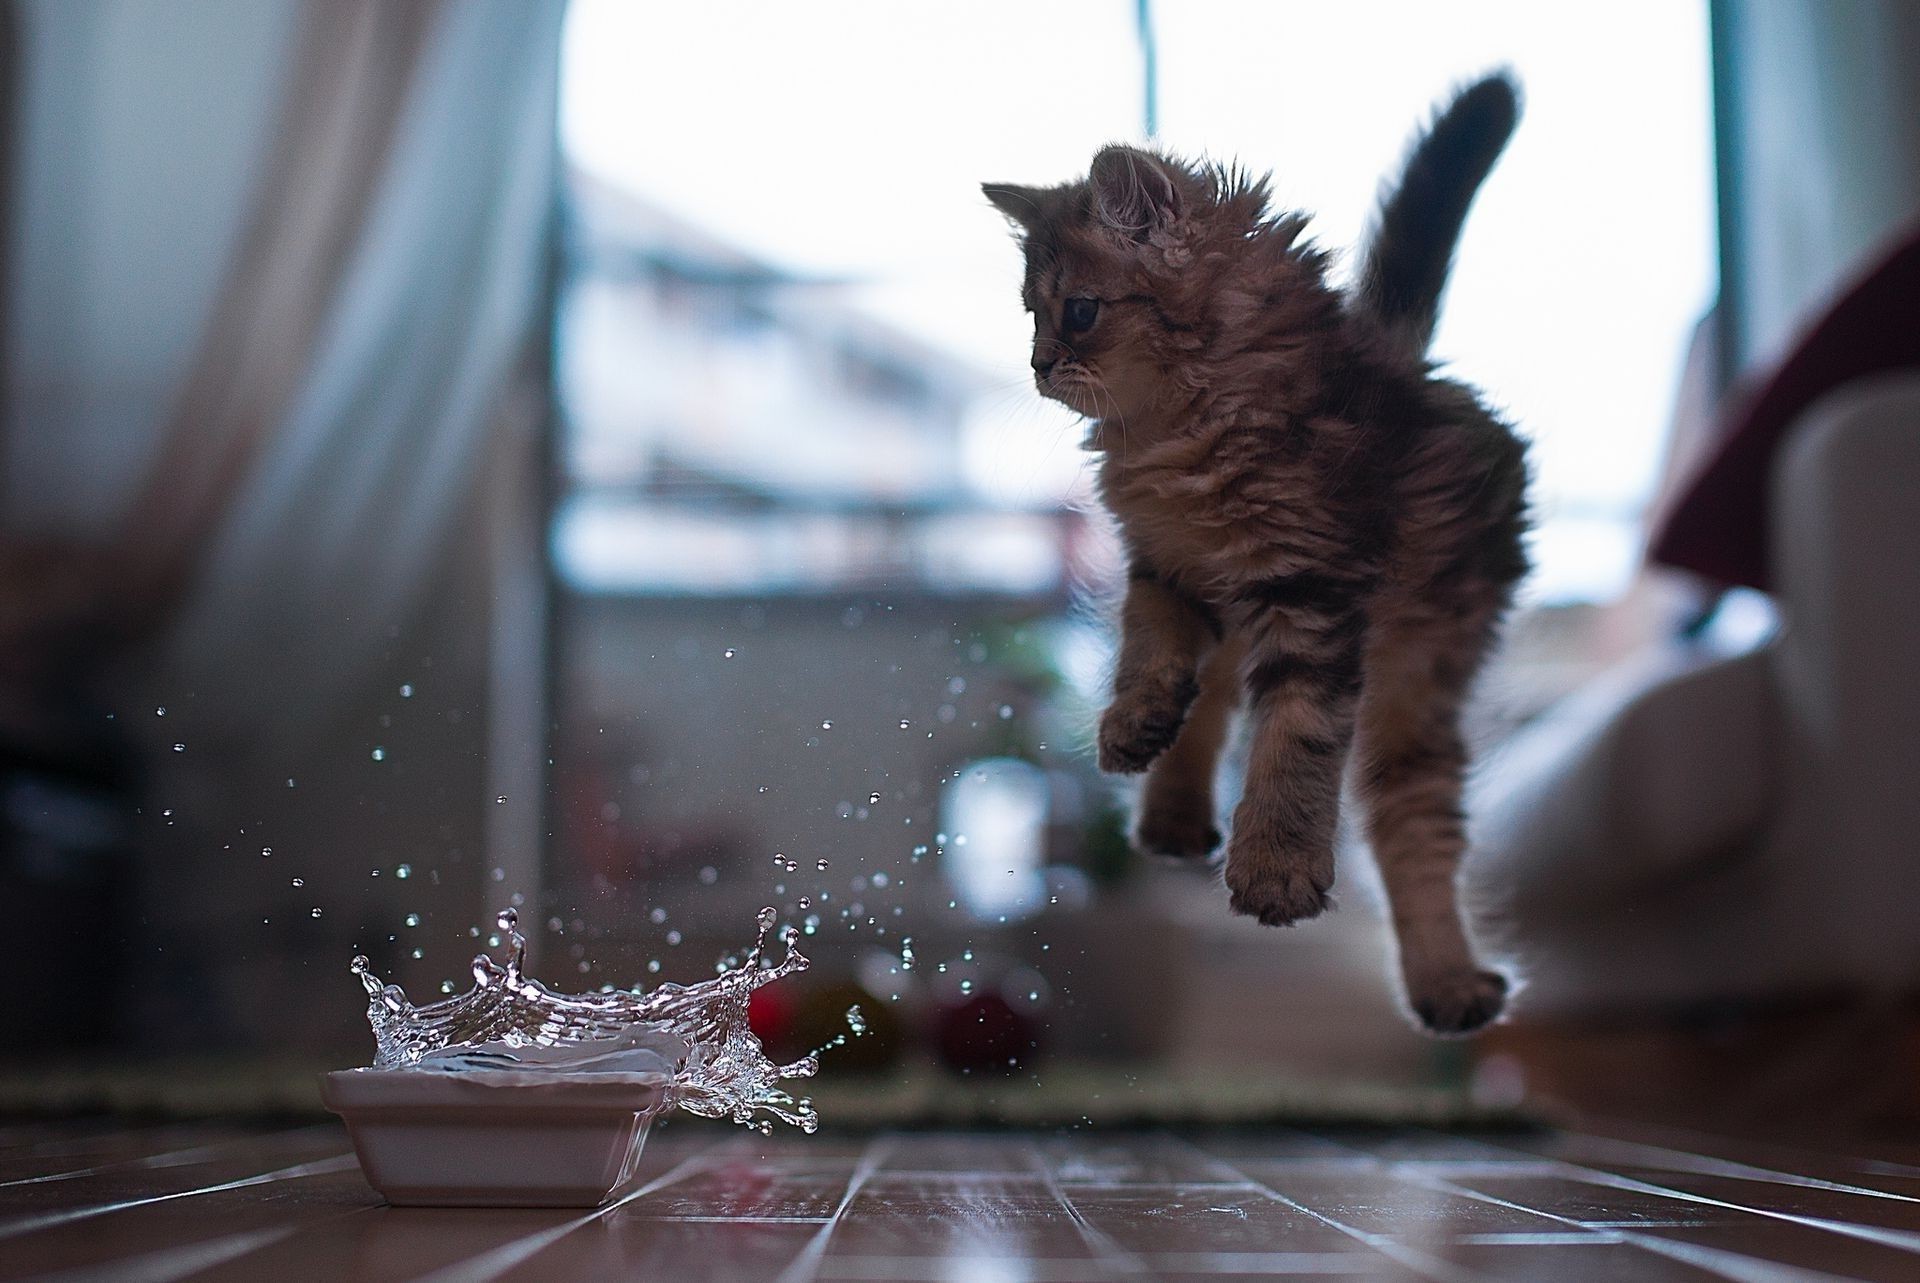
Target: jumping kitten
column 1316, row 523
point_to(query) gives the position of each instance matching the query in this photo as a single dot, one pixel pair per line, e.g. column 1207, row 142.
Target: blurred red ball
column 798, row 1018
column 985, row 1032
column 770, row 1016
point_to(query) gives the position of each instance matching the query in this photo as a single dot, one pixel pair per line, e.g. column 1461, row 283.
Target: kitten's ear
column 1021, row 205
column 1133, row 192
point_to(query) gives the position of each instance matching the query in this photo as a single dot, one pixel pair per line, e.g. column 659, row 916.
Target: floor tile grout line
column 181, row 1260
column 1732, row 1265
column 1736, row 1266
column 1420, row 1262
column 47, row 1220
column 1105, row 1247
column 806, row 1262
column 173, row 1157
column 204, row 1254
column 1728, row 1261
column 1694, row 1136
column 496, row 1261
column 1899, row 1239
column 1728, row 1169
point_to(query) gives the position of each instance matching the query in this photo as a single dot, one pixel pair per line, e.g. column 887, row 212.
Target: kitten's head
column 1125, row 273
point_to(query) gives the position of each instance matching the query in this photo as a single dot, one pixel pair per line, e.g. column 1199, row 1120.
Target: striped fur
column 1321, row 530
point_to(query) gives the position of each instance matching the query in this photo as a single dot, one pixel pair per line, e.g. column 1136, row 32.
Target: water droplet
column 709, row 875
column 657, row 916
column 1006, row 711
column 179, row 748
column 904, row 723
column 316, row 911
column 379, row 754
column 826, row 726
column 299, row 882
column 820, row 865
column 674, row 937
column 160, row 711
column 418, row 953
column 806, row 902
column 880, row 879
column 500, row 800
column 873, row 799
column 406, row 691
column 727, row 653
column 413, row 919
column 265, row 852
column 168, row 811
column 403, row 871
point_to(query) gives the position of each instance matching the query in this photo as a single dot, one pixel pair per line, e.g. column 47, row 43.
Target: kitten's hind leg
column 1163, row 636
column 1412, row 762
column 1176, row 806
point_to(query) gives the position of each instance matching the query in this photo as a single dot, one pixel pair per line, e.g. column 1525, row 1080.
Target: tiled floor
column 91, row 1200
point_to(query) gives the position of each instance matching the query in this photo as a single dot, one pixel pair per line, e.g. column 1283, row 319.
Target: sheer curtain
column 290, row 524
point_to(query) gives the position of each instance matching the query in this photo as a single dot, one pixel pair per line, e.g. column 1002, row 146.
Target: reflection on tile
column 1894, row 1213
column 982, row 1220
column 1092, row 1159
column 672, row 1251
column 1590, row 1204
column 1587, row 1258
column 1802, row 1246
column 1203, row 1219
column 178, row 1222
column 1382, row 1203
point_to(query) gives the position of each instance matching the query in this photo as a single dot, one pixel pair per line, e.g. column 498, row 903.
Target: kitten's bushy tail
column 1410, row 247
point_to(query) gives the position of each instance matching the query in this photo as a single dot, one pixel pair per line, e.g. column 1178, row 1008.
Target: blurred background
column 579, row 456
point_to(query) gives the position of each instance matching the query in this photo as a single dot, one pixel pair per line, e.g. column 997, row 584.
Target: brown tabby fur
column 1317, row 524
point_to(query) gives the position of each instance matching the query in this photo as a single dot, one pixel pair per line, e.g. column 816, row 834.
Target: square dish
column 495, row 1138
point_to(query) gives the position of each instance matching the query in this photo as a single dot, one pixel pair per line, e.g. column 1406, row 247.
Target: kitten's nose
column 1042, row 364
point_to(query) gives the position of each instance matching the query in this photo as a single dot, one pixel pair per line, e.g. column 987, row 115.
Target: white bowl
column 495, row 1138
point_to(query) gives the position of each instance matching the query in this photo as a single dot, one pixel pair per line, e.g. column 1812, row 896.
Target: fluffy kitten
column 1316, row 523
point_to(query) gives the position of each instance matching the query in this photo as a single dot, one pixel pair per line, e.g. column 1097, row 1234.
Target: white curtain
column 291, row 505
column 358, row 495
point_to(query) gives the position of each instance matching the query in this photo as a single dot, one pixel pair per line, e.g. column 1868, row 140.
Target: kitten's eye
column 1078, row 314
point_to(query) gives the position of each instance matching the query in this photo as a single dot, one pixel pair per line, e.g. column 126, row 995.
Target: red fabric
column 1718, row 525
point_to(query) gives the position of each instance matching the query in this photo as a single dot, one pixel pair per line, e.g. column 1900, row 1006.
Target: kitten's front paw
column 1459, row 1003
column 1139, row 727
column 1278, row 895
column 1180, row 832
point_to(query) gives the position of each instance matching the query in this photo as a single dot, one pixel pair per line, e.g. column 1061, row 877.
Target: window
column 826, row 558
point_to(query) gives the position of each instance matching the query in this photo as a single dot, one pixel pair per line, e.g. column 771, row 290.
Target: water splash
column 509, row 1019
